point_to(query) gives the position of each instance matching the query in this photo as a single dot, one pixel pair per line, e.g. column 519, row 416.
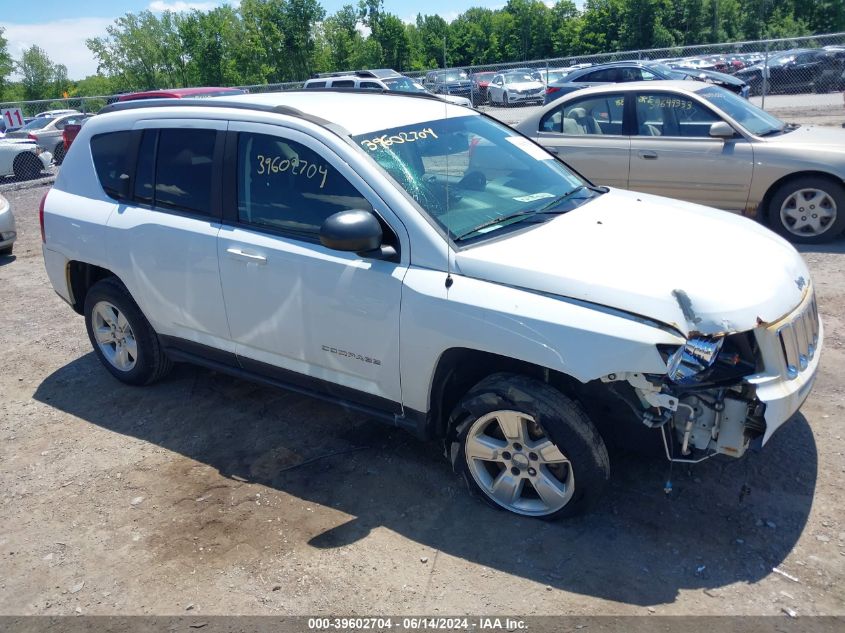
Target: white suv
column 366, row 81
column 429, row 266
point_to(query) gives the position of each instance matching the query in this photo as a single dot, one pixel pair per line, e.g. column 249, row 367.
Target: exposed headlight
column 698, row 355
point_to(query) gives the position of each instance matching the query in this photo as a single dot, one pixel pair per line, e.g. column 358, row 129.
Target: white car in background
column 8, row 234
column 22, row 159
column 515, row 87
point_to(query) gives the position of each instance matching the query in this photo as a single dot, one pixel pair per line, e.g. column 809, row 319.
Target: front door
column 308, row 315
column 673, row 154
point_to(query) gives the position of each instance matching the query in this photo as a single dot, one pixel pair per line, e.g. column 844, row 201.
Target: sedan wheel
column 809, row 210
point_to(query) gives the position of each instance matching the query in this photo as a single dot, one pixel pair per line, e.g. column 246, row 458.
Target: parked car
column 480, row 82
column 22, row 159
column 70, row 133
column 620, row 72
column 792, row 71
column 52, row 114
column 831, row 77
column 703, row 144
column 435, row 270
column 8, row 233
column 448, row 82
column 513, row 87
column 396, row 83
column 46, row 132
column 182, row 93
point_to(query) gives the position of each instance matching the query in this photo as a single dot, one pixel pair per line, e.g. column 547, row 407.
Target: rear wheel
column 122, row 337
column 809, row 209
column 59, row 153
column 26, row 166
column 526, row 448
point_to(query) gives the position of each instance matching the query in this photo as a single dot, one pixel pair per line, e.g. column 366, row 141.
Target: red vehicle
column 182, row 93
column 69, row 133
column 480, row 81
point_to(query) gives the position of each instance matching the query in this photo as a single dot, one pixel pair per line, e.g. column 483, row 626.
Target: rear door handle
column 250, row 257
column 648, row 155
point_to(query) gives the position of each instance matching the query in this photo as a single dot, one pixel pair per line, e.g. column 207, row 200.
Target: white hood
column 525, row 85
column 689, row 266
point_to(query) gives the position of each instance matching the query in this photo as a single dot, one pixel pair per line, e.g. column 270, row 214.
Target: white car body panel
column 9, row 150
column 8, row 232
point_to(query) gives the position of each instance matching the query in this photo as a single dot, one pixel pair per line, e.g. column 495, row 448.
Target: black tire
column 505, row 101
column 26, row 166
column 833, row 228
column 59, row 153
column 151, row 363
column 6, row 251
column 560, row 419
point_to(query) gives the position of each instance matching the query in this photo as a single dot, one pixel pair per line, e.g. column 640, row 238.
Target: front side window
column 472, row 175
column 665, row 114
column 284, row 185
column 591, row 115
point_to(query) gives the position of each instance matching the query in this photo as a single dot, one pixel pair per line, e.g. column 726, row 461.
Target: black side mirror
column 355, row 231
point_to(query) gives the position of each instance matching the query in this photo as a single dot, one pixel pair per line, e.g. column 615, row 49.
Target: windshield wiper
column 524, row 213
column 495, row 221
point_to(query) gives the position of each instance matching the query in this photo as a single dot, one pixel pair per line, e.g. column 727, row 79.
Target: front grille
column 799, row 338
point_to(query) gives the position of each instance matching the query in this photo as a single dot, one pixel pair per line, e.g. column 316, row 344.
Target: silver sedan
column 7, row 227
column 701, row 143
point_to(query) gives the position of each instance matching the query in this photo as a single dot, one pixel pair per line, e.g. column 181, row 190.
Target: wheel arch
column 763, row 210
column 81, row 276
column 458, row 369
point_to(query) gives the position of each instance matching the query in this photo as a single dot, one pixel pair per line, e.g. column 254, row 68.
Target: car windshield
column 557, row 75
column 515, row 78
column 749, row 116
column 403, row 84
column 38, row 124
column 473, row 175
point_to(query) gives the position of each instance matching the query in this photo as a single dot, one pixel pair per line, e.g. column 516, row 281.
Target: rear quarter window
column 111, row 153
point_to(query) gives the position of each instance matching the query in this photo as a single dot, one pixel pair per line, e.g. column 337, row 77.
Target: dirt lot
column 205, row 494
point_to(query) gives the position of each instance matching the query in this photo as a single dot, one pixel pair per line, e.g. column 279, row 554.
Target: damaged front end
column 726, row 393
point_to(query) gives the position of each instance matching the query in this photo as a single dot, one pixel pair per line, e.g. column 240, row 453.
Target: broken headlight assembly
column 710, row 360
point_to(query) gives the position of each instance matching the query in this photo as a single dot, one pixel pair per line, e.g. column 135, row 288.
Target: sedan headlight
column 690, row 360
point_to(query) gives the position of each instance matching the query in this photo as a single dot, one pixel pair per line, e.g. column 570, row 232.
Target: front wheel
column 527, row 448
column 505, row 100
column 809, row 210
column 26, row 166
column 122, row 338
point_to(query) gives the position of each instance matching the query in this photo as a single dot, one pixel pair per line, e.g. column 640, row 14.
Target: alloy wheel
column 114, row 336
column 516, row 464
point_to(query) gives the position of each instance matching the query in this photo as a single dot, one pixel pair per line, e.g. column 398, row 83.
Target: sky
column 61, row 27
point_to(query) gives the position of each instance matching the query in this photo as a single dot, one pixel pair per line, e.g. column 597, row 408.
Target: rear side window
column 111, row 154
column 343, row 83
column 316, row 84
column 175, row 169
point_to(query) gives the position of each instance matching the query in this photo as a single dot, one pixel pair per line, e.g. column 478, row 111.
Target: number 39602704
column 297, row 166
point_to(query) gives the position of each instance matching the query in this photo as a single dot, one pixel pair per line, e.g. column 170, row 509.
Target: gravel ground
column 209, row 495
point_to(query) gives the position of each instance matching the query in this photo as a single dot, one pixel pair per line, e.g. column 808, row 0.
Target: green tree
column 40, row 77
column 7, row 65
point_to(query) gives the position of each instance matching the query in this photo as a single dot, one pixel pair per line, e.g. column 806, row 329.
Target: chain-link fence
column 805, row 75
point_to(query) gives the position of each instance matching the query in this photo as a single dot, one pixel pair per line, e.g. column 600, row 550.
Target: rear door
column 673, row 154
column 589, row 134
column 163, row 235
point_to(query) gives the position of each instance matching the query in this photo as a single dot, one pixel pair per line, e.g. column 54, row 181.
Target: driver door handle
column 250, row 257
column 647, row 154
